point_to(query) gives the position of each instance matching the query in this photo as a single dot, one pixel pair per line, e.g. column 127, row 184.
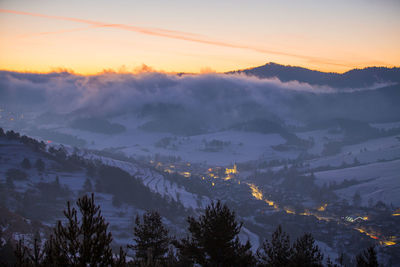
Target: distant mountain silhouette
column 356, row 78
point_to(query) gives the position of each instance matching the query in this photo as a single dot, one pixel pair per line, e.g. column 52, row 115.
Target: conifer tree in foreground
column 79, row 242
column 214, row 241
column 367, row 258
column 277, row 252
column 84, row 242
column 151, row 237
column 306, row 253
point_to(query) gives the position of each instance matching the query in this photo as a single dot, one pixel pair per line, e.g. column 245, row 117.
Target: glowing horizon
column 47, row 37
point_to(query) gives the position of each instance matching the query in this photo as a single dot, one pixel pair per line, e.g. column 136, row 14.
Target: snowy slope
column 120, row 218
column 157, row 183
column 379, row 181
column 385, row 148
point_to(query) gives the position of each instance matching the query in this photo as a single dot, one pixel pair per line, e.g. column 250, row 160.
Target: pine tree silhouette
column 306, row 253
column 214, row 240
column 84, row 242
column 367, row 258
column 150, row 234
column 277, row 252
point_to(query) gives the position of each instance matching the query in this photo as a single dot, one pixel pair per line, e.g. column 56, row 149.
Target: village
column 379, row 224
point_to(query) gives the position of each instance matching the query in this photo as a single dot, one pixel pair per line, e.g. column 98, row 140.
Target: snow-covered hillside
column 120, row 217
column 157, row 182
column 376, row 181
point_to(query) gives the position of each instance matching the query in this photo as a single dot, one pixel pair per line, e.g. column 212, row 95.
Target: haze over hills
column 194, row 104
column 210, row 101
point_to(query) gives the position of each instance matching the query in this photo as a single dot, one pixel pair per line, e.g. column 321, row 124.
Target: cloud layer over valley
column 203, row 101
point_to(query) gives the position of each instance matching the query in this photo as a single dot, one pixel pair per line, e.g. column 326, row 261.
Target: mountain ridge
column 353, row 78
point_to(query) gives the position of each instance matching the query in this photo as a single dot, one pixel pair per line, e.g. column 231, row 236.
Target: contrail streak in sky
column 185, row 36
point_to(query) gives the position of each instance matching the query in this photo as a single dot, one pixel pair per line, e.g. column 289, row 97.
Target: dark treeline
column 212, row 240
column 11, row 135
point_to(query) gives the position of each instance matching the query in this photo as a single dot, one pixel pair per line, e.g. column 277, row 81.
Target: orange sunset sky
column 91, row 36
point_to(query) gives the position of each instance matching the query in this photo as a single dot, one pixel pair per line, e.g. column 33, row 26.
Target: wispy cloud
column 143, row 30
column 57, row 32
column 179, row 35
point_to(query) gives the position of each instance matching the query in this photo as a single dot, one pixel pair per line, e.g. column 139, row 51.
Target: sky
column 93, row 36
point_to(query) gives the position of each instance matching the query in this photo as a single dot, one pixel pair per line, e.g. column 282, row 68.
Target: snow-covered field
column 386, row 126
column 320, row 138
column 385, row 148
column 378, row 181
column 243, row 146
